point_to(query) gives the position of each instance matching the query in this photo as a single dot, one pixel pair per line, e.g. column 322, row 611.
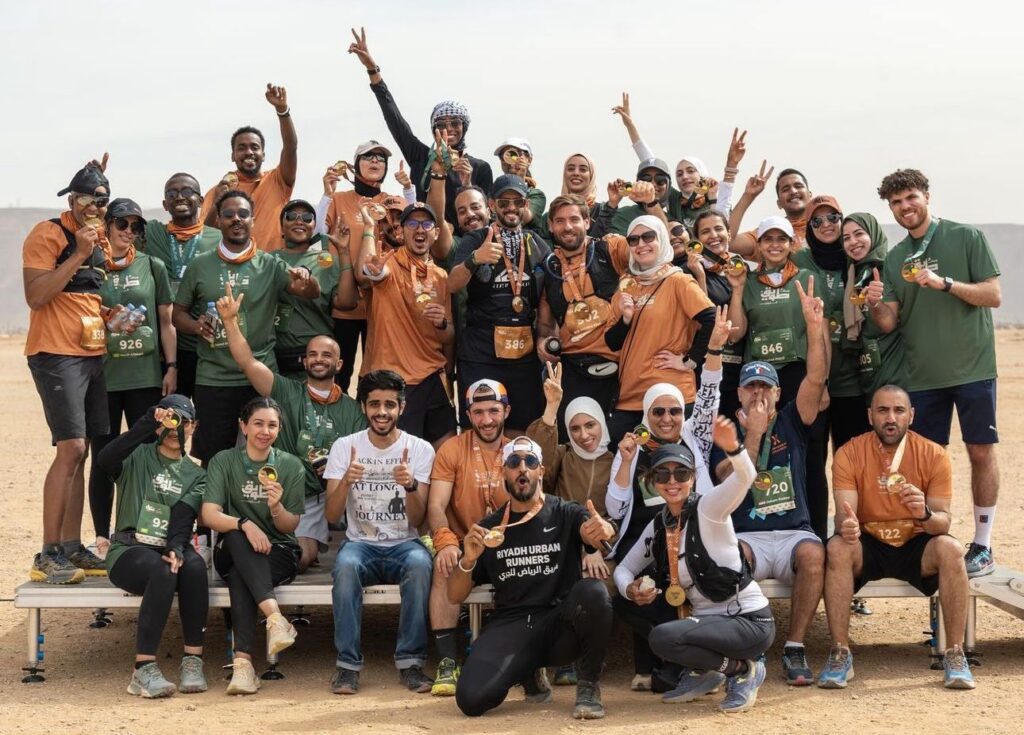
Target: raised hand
column 274, row 493
column 278, row 97
column 757, row 182
column 440, row 146
column 489, row 251
column 101, row 164
column 627, row 306
column 434, row 313
column 737, row 149
column 615, row 193
column 849, row 528
column 913, row 500
column 355, row 470
column 813, row 308
column 596, row 529
column 473, row 543
column 227, row 305
column 720, row 333
column 642, row 192
column 553, row 384
column 628, row 446
column 339, row 236
column 86, row 240
column 331, row 179
column 402, row 176
column 402, row 473
column 757, row 417
column 464, row 169
column 623, row 109
column 360, row 49
column 927, row 278
column 873, row 293
column 724, row 434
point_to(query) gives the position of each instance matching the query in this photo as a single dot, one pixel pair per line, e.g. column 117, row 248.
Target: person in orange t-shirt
column 63, row 266
column 269, row 190
column 892, row 493
column 410, row 322
column 466, row 484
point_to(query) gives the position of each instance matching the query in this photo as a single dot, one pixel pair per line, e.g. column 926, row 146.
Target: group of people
column 646, row 394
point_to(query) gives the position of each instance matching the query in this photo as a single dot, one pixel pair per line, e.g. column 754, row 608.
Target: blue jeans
column 360, row 564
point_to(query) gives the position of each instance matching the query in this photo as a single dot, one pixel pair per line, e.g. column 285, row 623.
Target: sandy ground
column 87, row 670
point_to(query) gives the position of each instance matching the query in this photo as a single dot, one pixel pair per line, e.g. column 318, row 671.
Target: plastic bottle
column 212, row 316
column 118, row 321
column 136, row 317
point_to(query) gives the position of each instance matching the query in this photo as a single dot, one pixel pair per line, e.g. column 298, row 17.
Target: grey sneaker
column 88, row 562
column 537, row 688
column 794, row 664
column 149, row 683
column 344, row 681
column 741, row 691
column 415, row 680
column 978, row 560
column 55, row 569
column 693, row 685
column 191, row 679
column 588, row 701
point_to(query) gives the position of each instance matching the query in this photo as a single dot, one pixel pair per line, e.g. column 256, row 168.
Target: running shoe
column 55, row 569
column 858, row 606
column 693, row 685
column 957, row 671
column 588, row 701
column 741, row 690
column 280, row 633
column 191, row 679
column 415, row 680
column 344, row 681
column 838, row 669
column 565, row 676
column 794, row 663
column 978, row 560
column 640, row 683
column 243, row 678
column 149, row 683
column 447, row 678
column 537, row 688
column 88, row 562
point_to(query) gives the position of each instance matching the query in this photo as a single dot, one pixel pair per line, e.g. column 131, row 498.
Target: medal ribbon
column 569, row 273
column 250, row 468
column 766, row 446
column 182, row 253
column 514, row 276
column 537, row 506
column 925, row 242
column 491, row 474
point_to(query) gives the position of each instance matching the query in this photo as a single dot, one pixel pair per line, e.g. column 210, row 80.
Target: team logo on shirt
column 253, row 491
column 120, row 281
column 772, row 295
column 535, row 560
column 235, row 278
column 166, row 484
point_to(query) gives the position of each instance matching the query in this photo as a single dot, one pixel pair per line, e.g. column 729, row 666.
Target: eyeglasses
column 241, row 213
column 122, row 224
column 833, row 217
column 634, row 240
column 511, row 203
column 659, row 411
column 677, row 231
column 514, row 460
column 660, row 179
column 85, row 200
column 186, row 192
column 419, row 224
column 679, row 474
column 377, row 157
column 306, row 217
column 448, row 122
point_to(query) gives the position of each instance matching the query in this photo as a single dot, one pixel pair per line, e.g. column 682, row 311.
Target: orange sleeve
column 42, row 247
column 208, row 201
column 940, row 483
column 446, row 460
column 619, row 251
column 844, row 475
column 693, row 298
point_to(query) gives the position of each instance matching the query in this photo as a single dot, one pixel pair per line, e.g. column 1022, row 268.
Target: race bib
column 893, row 533
column 152, row 524
column 835, row 328
column 94, row 334
column 583, row 317
column 777, row 346
column 870, row 358
column 283, row 317
column 511, row 343
column 220, row 336
column 139, row 343
column 773, row 491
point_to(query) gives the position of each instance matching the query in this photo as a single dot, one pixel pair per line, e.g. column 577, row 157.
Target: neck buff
column 363, row 187
column 662, row 267
column 230, row 257
column 591, row 193
column 123, row 262
column 589, row 407
column 655, row 392
column 184, row 232
column 829, row 256
column 859, row 274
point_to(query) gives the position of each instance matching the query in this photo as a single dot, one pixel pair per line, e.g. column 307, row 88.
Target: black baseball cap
column 509, row 182
column 123, row 207
column 673, row 453
column 179, row 403
column 86, row 181
column 416, row 207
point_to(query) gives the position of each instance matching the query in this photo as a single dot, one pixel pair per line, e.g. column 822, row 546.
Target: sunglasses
column 122, row 224
column 659, row 180
column 514, row 460
column 241, row 213
column 514, row 203
column 659, row 411
column 419, row 224
column 834, row 218
column 451, row 123
column 634, row 240
column 306, row 217
column 679, row 474
column 186, row 192
column 85, row 200
column 377, row 157
column 677, row 231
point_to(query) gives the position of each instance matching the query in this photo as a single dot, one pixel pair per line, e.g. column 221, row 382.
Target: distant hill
column 15, row 223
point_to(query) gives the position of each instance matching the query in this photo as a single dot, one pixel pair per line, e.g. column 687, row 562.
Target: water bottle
column 136, row 317
column 212, row 316
column 120, row 319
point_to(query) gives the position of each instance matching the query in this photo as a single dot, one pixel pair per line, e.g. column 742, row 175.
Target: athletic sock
column 446, row 642
column 71, row 546
column 51, row 549
column 140, row 664
column 734, row 667
column 793, row 644
column 984, row 517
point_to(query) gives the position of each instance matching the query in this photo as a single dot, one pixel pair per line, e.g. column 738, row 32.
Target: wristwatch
column 927, row 515
column 242, row 522
column 947, row 284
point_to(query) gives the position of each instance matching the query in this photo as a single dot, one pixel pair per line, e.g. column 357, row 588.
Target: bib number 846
column 772, row 348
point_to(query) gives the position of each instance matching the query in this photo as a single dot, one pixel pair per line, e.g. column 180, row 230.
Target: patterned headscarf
column 450, row 108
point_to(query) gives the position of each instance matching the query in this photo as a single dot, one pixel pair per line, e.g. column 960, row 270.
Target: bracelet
column 713, row 352
column 286, row 113
column 732, row 169
column 241, row 521
column 171, row 364
column 737, row 451
column 345, row 268
column 437, row 177
column 374, row 70
column 369, row 235
column 467, row 571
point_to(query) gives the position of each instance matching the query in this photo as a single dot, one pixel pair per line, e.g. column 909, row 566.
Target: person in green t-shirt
column 939, row 286
column 176, row 244
column 299, row 319
column 221, row 388
column 159, row 492
column 254, row 498
column 515, row 156
column 131, row 367
column 314, row 413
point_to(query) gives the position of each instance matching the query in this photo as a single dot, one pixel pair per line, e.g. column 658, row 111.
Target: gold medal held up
column 894, row 483
column 423, row 300
column 494, row 538
column 642, row 433
column 267, row 473
column 231, row 180
column 909, row 272
column 518, row 304
column 675, row 595
column 172, row 421
column 859, row 296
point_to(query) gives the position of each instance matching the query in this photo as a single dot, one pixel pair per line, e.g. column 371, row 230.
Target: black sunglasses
column 241, row 213
column 514, row 460
column 660, row 179
column 306, row 217
column 122, row 223
column 84, row 200
column 378, row 157
column 679, row 474
column 185, row 192
column 634, row 240
column 833, row 217
column 677, row 231
column 659, row 411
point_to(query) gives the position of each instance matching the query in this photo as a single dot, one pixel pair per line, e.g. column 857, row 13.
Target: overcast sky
column 844, row 96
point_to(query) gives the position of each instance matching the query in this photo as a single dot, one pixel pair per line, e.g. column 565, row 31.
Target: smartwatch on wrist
column 242, row 522
column 927, row 515
column 947, row 284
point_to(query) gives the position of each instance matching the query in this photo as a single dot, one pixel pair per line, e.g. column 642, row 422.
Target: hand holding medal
column 642, row 590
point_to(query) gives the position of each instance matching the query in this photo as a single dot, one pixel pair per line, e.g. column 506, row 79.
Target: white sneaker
column 243, row 678
column 641, row 683
column 280, row 633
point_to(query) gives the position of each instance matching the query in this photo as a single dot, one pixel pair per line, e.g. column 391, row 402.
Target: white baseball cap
column 521, row 444
column 521, row 143
column 775, row 222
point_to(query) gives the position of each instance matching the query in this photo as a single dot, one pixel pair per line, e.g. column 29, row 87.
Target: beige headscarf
column 591, row 193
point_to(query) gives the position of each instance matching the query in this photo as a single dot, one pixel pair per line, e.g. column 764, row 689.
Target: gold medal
column 894, row 483
column 325, row 260
column 859, row 296
column 94, row 222
column 737, row 264
column 695, row 246
column 625, row 187
column 908, row 271
column 628, row 285
column 675, row 595
column 642, row 433
column 510, row 157
column 833, row 324
column 173, row 421
column 494, row 538
column 581, row 310
column 267, row 474
column 341, row 168
column 231, row 180
column 518, row 304
column 763, row 481
column 377, row 211
column 422, row 301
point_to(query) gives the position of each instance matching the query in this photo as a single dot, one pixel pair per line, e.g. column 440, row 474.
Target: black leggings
column 141, row 571
column 251, row 579
column 510, row 649
column 643, row 619
column 348, row 333
column 132, row 404
column 711, row 642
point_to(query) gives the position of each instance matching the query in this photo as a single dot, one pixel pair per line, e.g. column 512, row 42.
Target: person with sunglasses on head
column 254, row 501
column 221, row 386
column 665, row 324
column 448, row 115
column 134, row 378
column 298, row 320
column 314, row 414
column 159, row 494
column 379, row 479
column 691, row 556
column 176, row 244
column 268, row 190
column 775, row 521
column 501, row 269
column 410, row 320
column 545, row 613
column 794, row 194
column 63, row 268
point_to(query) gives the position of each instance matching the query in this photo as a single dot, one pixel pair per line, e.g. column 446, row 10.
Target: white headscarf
column 658, row 390
column 591, row 408
column 665, row 253
column 702, row 168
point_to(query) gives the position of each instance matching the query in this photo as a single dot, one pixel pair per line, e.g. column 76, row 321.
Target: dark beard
column 513, row 489
column 378, row 432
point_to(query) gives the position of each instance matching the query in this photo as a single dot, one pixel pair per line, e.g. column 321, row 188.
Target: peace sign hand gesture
column 360, row 49
column 757, row 182
column 813, row 308
column 623, row 109
column 553, row 384
column 737, row 149
column 720, row 332
column 227, row 305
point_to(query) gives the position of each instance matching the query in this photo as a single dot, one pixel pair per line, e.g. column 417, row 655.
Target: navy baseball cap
column 509, row 182
column 179, row 403
column 758, row 371
column 86, row 181
column 673, row 453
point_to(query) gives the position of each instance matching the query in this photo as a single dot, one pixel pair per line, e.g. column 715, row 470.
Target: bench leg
column 100, row 618
column 476, row 614
column 971, row 633
column 35, row 654
column 271, row 674
column 940, row 631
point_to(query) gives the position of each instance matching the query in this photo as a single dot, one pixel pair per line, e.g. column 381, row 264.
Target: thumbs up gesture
column 355, row 470
column 596, row 531
column 402, row 473
column 875, row 289
column 849, row 527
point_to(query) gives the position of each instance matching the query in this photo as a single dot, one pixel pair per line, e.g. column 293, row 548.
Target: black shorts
column 428, row 413
column 880, row 560
column 975, row 408
column 74, row 394
column 522, row 382
column 217, row 412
